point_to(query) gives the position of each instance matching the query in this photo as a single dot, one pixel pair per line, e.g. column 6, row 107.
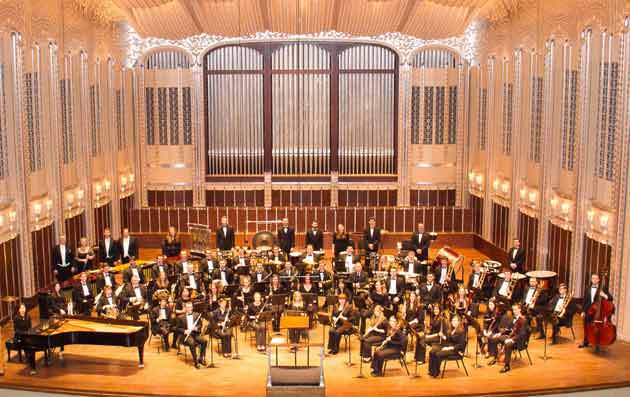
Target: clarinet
column 227, row 317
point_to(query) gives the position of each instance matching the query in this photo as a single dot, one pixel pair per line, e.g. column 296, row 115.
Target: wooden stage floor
column 113, row 371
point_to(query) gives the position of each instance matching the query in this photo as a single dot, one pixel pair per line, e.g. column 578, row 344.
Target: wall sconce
column 565, row 207
column 37, row 209
column 70, row 199
column 12, row 216
column 49, row 204
column 532, row 197
column 98, row 189
column 590, row 215
column 495, row 184
column 123, row 183
column 471, row 176
column 132, row 177
column 80, row 194
column 523, row 193
column 554, row 202
column 1, row 221
column 479, row 179
column 505, row 187
column 107, row 184
column 603, row 221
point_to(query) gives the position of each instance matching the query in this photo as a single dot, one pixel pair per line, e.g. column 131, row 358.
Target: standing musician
column 349, row 259
column 133, row 270
column 82, row 297
column 421, row 242
column 341, row 323
column 413, row 314
column 225, row 235
column 223, row 273
column 134, row 298
column 516, row 257
column 276, row 288
column 222, row 326
column 62, row 260
column 128, row 246
column 108, row 248
column 171, row 246
column 372, row 237
column 107, row 304
column 562, row 308
column 375, row 333
column 341, row 240
column 315, row 237
column 590, row 296
column 161, row 322
column 534, row 302
column 260, row 327
column 411, row 264
column 451, row 342
column 286, row 236
column 84, row 255
column 105, row 278
column 390, row 347
column 514, row 336
column 395, row 285
column 57, row 301
column 189, row 326
column 323, row 278
column 430, row 292
column 161, row 267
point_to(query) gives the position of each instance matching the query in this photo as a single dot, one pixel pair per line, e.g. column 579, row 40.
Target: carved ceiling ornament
column 405, row 46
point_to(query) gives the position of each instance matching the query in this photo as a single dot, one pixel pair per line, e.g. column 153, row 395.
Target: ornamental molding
column 404, row 45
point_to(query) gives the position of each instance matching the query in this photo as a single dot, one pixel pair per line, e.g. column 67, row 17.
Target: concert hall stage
column 113, row 371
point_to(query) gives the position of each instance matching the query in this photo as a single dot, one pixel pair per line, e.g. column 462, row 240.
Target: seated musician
column 222, row 326
column 411, row 264
column 437, row 323
column 379, row 295
column 240, row 263
column 245, row 294
column 341, row 323
column 297, row 306
column 461, row 304
column 413, row 314
column 161, row 266
column 189, row 326
column 134, row 298
column 443, row 274
column 491, row 323
column 180, row 303
column 254, row 311
column 477, row 283
column 213, row 296
column 309, row 257
column 208, row 262
column 452, row 341
column 372, row 237
column 105, row 278
column 108, row 304
column 184, row 265
column 315, row 237
column 390, row 347
column 57, row 301
column 534, row 302
column 506, row 288
column 349, row 259
column 341, row 240
column 289, row 276
column 223, row 273
column 194, row 281
column 82, row 297
column 21, row 325
column 171, row 246
column 562, row 307
column 162, row 283
column 342, row 288
column 161, row 322
column 375, row 333
column 133, row 270
column 513, row 336
column 277, row 256
column 276, row 288
column 323, row 278
column 395, row 285
column 358, row 279
column 259, row 275
column 430, row 292
column 307, row 286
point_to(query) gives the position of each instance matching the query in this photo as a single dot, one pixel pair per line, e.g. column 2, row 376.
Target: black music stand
column 266, row 317
column 235, row 322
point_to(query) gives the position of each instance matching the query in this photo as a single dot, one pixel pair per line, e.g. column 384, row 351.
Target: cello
column 601, row 331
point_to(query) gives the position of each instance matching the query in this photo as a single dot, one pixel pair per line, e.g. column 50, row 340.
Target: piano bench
column 11, row 345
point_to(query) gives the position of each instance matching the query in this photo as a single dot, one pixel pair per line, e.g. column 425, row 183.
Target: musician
column 253, row 314
column 105, row 278
column 315, row 237
column 57, row 301
column 341, row 240
column 358, row 279
column 171, row 246
column 421, row 242
column 289, row 276
column 350, row 260
column 223, row 273
column 476, row 282
column 161, row 266
column 451, row 342
column 323, row 278
column 133, row 270
column 372, row 237
column 309, row 257
column 180, row 304
column 82, row 297
column 184, row 265
column 514, row 336
column 208, row 262
column 413, row 314
column 437, row 324
column 276, row 256
column 259, row 275
column 84, row 255
column 189, row 325
column 223, row 330
column 391, row 347
column 225, row 235
column 128, row 246
column 491, row 323
column 443, row 275
column 299, row 306
column 341, row 323
column 506, row 289
column 161, row 283
column 430, row 292
column 395, row 285
column 590, row 297
column 134, row 298
column 342, row 288
column 379, row 295
column 286, row 236
column 244, row 296
column 107, row 300
column 411, row 264
column 161, row 322
column 275, row 289
column 108, row 248
column 534, row 302
column 562, row 308
column 375, row 333
column 62, row 259
column 213, row 296
column 516, row 257
column 193, row 281
column 21, row 325
column 307, row 286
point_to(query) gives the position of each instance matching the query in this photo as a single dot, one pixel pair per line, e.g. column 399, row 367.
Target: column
column 404, row 110
column 199, row 136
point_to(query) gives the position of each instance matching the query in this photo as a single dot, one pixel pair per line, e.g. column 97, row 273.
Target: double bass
column 601, row 331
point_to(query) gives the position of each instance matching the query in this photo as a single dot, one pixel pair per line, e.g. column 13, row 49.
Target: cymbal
column 263, row 248
column 9, row 299
column 295, row 254
column 541, row 274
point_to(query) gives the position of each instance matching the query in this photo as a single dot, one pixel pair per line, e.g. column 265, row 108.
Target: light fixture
column 49, row 204
column 98, row 189
column 603, row 221
column 505, row 187
column 1, row 220
column 123, row 180
column 107, row 184
column 495, row 184
column 554, row 202
column 471, row 176
column 12, row 216
column 37, row 209
column 80, row 194
column 590, row 215
column 523, row 192
column 132, row 177
column 565, row 207
column 532, row 197
column 479, row 179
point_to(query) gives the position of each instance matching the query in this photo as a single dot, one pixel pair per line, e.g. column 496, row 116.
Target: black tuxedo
column 518, row 260
column 225, row 240
column 588, row 301
column 315, row 239
column 103, row 301
column 372, row 238
column 431, row 296
column 63, row 270
column 229, row 275
column 82, row 303
column 100, row 282
column 418, row 267
column 400, row 285
column 108, row 256
column 128, row 273
column 127, row 294
column 132, row 250
column 421, row 242
column 286, row 239
column 358, row 278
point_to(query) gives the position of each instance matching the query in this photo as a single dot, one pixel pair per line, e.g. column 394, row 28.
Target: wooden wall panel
column 126, row 204
column 500, row 225
column 102, row 219
column 559, row 258
column 42, row 242
column 367, row 198
column 596, row 258
column 170, row 198
column 476, row 206
column 432, row 198
column 75, row 229
column 10, row 272
column 528, row 235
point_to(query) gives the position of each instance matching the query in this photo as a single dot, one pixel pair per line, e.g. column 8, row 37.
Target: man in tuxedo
column 62, row 258
column 395, row 286
column 516, row 257
column 515, row 339
column 128, row 246
column 189, row 325
column 225, row 235
column 590, row 296
column 135, row 298
column 562, row 310
column 372, row 237
column 349, row 259
column 421, row 241
column 323, row 278
column 286, row 236
column 315, row 237
column 240, row 264
column 82, row 297
column 105, row 279
column 411, row 264
column 133, row 270
column 107, row 248
column 431, row 293
column 223, row 273
column 358, row 278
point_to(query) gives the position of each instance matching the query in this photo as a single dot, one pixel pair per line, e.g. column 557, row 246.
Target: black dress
column 341, row 241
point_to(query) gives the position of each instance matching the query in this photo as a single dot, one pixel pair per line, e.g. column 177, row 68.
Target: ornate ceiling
column 176, row 19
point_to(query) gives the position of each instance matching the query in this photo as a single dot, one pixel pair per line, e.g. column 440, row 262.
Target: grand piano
column 82, row 330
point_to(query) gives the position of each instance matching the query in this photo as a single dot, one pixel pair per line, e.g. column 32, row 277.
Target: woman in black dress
column 341, row 240
column 57, row 303
column 84, row 257
column 451, row 342
column 171, row 247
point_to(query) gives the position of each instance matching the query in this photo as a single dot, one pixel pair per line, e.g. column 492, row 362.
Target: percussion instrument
column 515, row 276
column 544, row 277
column 263, row 239
column 386, row 261
column 455, row 260
column 9, row 299
column 492, row 266
column 295, row 254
